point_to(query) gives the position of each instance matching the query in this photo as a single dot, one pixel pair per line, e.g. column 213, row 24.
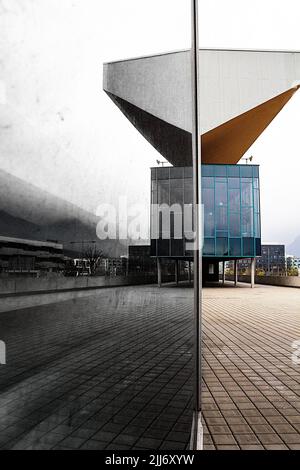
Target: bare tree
column 93, row 255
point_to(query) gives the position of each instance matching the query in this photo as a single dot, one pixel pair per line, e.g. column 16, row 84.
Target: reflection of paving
column 110, row 370
column 27, row 300
column 251, row 399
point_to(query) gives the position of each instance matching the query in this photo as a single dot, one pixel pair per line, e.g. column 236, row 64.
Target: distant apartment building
column 292, row 263
column 30, row 257
column 272, row 260
column 115, row 266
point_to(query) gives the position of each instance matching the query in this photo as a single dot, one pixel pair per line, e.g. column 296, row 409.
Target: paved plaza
column 112, row 369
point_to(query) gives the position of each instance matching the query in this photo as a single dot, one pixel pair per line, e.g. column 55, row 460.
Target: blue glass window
column 221, row 193
column 222, row 247
column 230, row 195
column 209, row 246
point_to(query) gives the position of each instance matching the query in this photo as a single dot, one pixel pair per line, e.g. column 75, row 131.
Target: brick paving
column 251, row 398
column 112, row 369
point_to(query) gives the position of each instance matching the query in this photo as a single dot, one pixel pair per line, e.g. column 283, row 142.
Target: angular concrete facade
column 241, row 93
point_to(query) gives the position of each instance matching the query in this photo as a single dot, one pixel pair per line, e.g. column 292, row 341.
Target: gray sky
column 60, row 132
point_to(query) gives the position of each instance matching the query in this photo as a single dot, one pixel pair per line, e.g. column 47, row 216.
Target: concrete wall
column 232, row 82
column 285, row 281
column 23, row 285
column 30, row 285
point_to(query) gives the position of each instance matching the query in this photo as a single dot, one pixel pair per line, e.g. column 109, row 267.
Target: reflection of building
column 241, row 92
column 139, row 260
column 77, row 267
column 30, row 257
column 230, row 196
column 116, row 266
column 272, row 260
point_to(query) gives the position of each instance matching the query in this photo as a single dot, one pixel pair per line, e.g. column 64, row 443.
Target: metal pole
column 197, row 430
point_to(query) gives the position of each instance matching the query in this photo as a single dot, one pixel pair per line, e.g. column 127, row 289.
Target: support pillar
column 190, row 272
column 177, row 272
column 253, row 264
column 223, row 272
column 236, row 274
column 159, row 274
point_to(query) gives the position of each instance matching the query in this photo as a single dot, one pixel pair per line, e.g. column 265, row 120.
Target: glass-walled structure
column 231, row 200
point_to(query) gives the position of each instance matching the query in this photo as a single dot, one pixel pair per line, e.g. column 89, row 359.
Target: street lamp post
column 197, row 430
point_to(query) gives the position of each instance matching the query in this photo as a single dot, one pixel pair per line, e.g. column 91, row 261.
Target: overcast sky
column 59, row 131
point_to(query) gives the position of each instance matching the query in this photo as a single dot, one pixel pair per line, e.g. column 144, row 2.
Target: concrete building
column 30, row 257
column 241, row 92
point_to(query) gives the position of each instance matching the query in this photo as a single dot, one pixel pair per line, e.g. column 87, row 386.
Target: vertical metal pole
column 190, row 272
column 159, row 275
column 236, row 274
column 253, row 272
column 197, row 430
column 177, row 272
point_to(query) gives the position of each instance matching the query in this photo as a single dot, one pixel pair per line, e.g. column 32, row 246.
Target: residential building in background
column 292, row 264
column 30, row 257
column 272, row 260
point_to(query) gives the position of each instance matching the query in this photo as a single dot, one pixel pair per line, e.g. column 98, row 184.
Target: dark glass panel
column 258, row 247
column 208, row 199
column 208, row 182
column 233, row 171
column 163, row 192
column 176, row 191
column 153, row 249
column 246, row 190
column 222, row 247
column 188, row 191
column 247, row 222
column 163, row 247
column 176, row 230
column 209, row 246
column 208, row 170
column 234, row 200
column 153, row 173
column 256, row 200
column 154, row 192
column 176, row 173
column 221, row 218
column 209, row 224
column 221, row 170
column 234, row 183
column 248, row 246
column 177, row 247
column 246, row 171
column 255, row 171
column 235, row 224
column 257, row 232
column 163, row 173
column 188, row 172
column 235, row 247
column 221, row 194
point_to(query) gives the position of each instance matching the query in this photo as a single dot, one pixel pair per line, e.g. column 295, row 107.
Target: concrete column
column 236, row 274
column 159, row 274
column 177, row 271
column 253, row 263
column 190, row 272
column 223, row 272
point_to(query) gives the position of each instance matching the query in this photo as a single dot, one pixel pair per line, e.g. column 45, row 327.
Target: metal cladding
column 241, row 93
